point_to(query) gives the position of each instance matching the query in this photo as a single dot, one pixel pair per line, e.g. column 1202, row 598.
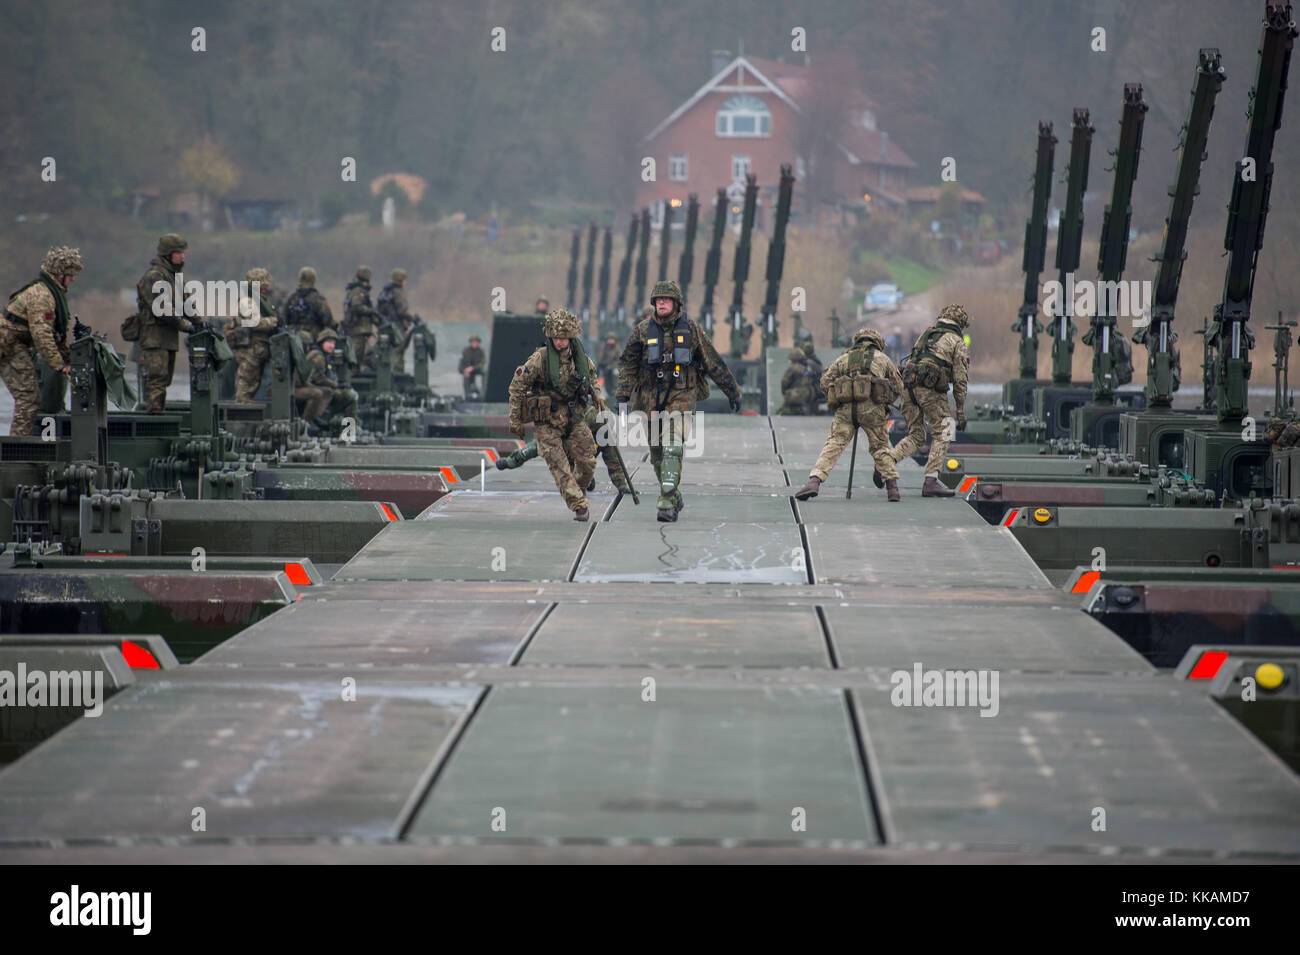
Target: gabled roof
column 735, row 66
column 788, row 82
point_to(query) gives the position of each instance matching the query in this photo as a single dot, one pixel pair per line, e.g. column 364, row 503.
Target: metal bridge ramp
column 722, row 687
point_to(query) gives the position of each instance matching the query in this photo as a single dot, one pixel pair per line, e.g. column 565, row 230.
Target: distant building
column 745, row 119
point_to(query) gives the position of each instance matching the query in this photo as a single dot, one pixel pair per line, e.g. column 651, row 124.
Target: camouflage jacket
column 947, row 348
column 472, row 357
column 358, row 314
column 861, row 360
column 322, row 375
column 305, row 307
column 608, row 356
column 242, row 335
column 797, row 377
column 641, row 385
column 159, row 331
column 392, row 306
column 35, row 305
column 530, row 382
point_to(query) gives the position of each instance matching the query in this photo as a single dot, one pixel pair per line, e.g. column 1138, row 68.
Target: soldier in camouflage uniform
column 859, row 385
column 553, row 389
column 359, row 316
column 160, row 334
column 323, row 394
column 305, row 311
column 394, row 309
column 938, row 358
column 250, row 337
column 797, row 389
column 665, row 368
column 473, row 362
column 36, row 316
column 818, row 370
column 608, row 362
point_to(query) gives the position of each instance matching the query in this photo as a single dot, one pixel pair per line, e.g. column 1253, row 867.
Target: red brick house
column 746, row 119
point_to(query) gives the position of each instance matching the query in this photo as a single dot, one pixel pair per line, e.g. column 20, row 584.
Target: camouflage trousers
column 361, row 345
column 667, row 448
column 472, row 383
column 326, row 402
column 871, row 419
column 159, row 366
column 19, row 374
column 926, row 408
column 557, row 446
column 252, row 359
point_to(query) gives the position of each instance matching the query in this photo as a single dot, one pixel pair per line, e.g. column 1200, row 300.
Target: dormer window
column 744, row 116
column 868, row 119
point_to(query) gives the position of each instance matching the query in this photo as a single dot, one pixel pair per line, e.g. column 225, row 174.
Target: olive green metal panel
column 329, row 631
column 157, row 654
column 582, row 763
column 1164, row 763
column 693, row 551
column 686, row 633
column 466, row 549
column 282, row 757
column 1069, row 537
column 411, row 491
column 970, row 556
column 896, row 636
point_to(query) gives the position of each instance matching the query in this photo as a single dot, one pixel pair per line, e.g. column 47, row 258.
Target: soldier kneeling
column 859, row 386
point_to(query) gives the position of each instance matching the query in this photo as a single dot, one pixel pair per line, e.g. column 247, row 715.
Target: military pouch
column 131, row 328
column 843, row 390
column 536, row 408
column 882, row 391
column 931, row 376
column 239, row 337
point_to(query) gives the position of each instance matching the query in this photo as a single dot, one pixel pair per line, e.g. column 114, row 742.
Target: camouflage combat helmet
column 326, row 333
column 399, row 275
column 560, row 323
column 667, row 290
column 796, row 355
column 61, row 261
column 954, row 314
column 476, row 338
column 647, row 312
column 170, row 243
column 259, row 275
column 307, row 276
column 809, row 350
column 869, row 336
column 363, row 273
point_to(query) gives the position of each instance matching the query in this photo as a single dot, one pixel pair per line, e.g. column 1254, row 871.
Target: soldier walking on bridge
column 938, row 358
column 859, row 386
column 664, row 370
column 37, row 317
column 553, row 389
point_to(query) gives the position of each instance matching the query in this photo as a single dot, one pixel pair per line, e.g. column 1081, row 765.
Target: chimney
column 719, row 60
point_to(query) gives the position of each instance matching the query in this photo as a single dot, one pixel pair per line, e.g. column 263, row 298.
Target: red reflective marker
column 137, row 657
column 1207, row 667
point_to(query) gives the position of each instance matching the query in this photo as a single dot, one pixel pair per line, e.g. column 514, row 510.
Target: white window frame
column 737, row 172
column 678, row 166
column 743, row 107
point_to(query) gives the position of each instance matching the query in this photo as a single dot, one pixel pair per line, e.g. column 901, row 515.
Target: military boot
column 519, row 457
column 808, row 490
column 592, row 486
column 667, row 509
column 876, row 478
column 581, row 514
column 932, row 488
column 891, row 488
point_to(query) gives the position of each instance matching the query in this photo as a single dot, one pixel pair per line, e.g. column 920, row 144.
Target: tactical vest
column 924, row 368
column 297, row 310
column 860, row 384
column 386, row 305
column 575, row 391
column 60, row 307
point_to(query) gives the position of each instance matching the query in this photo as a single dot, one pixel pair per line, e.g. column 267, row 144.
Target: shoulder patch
column 519, row 370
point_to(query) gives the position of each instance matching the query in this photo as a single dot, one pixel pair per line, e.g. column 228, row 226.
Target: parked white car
column 883, row 297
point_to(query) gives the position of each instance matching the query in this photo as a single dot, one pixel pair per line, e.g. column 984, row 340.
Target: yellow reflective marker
column 953, row 464
column 1042, row 515
column 1270, row 676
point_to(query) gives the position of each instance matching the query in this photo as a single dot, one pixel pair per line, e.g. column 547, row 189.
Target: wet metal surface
column 722, row 552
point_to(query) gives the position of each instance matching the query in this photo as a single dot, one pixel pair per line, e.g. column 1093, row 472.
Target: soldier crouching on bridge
column 37, row 317
column 859, row 385
column 665, row 369
column 938, row 358
column 553, row 389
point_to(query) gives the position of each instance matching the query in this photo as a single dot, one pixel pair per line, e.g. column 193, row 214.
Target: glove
column 517, row 428
column 735, row 403
column 961, row 421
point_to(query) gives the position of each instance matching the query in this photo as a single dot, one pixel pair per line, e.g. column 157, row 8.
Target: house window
column 739, row 168
column 744, row 116
column 657, row 214
column 677, row 167
column 800, row 168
